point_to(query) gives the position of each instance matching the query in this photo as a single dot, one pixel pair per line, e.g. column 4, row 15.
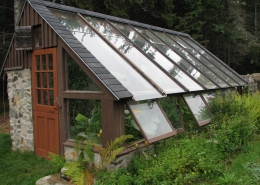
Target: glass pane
column 44, row 80
column 140, row 60
column 39, row 97
column 212, row 59
column 183, row 50
column 131, row 127
column 51, row 80
column 175, row 58
column 51, row 94
column 202, row 59
column 45, row 97
column 208, row 96
column 77, row 78
column 150, row 118
column 171, row 107
column 38, row 36
column 85, row 116
column 197, row 107
column 38, row 76
column 50, row 62
column 157, row 57
column 110, row 59
column 43, row 62
column 38, row 62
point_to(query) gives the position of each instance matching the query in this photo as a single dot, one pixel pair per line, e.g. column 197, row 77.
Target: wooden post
column 112, row 120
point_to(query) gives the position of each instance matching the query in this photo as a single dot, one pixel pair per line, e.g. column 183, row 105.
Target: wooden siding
column 22, row 58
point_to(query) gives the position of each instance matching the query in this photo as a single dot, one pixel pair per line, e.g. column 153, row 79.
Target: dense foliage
column 201, row 155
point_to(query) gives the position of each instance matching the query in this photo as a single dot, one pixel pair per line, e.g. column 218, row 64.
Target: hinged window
column 37, row 36
column 23, row 35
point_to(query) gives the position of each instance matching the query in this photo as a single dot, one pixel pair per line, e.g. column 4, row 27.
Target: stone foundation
column 20, row 104
column 121, row 161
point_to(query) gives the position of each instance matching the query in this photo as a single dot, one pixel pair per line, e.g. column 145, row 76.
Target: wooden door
column 45, row 108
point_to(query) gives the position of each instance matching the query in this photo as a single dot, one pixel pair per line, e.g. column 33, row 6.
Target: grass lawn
column 21, row 168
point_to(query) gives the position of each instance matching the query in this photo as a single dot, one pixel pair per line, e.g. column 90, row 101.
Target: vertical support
column 112, row 120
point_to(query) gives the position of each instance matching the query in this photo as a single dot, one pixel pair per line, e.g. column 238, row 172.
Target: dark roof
column 194, row 68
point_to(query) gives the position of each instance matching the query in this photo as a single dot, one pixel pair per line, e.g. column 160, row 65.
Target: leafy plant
column 228, row 179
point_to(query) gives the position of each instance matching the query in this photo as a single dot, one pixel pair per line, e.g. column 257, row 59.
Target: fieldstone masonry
column 20, row 103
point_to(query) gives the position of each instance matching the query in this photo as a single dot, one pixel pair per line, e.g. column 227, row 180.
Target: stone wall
column 120, row 162
column 20, row 104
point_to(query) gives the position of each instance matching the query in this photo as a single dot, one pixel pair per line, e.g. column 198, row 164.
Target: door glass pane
column 44, row 80
column 183, row 50
column 50, row 62
column 111, row 60
column 51, row 94
column 171, row 107
column 50, row 80
column 198, row 107
column 39, row 97
column 38, row 76
column 156, row 56
column 216, row 62
column 150, row 118
column 140, row 60
column 38, row 62
column 43, row 62
column 77, row 79
column 45, row 97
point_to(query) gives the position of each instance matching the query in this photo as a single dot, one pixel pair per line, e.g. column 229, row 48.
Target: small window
column 209, row 96
column 151, row 120
column 198, row 108
column 85, row 117
column 77, row 79
column 37, row 35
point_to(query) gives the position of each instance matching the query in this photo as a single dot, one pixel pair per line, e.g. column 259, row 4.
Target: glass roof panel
column 202, row 59
column 141, row 42
column 130, row 51
column 151, row 120
column 157, row 57
column 184, row 50
column 198, row 108
column 114, row 63
column 216, row 62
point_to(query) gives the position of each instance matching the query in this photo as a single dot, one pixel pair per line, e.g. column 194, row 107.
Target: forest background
column 230, row 29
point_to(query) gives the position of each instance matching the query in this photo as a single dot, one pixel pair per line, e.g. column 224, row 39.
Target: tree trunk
column 18, row 5
column 255, row 17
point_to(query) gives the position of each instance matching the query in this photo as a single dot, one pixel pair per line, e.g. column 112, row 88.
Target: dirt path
column 4, row 124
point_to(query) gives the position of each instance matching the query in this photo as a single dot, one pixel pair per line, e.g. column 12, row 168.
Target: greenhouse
column 88, row 72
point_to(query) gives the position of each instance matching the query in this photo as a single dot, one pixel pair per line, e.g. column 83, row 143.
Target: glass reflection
column 216, row 62
column 129, row 50
column 182, row 49
column 202, row 59
column 50, row 62
column 156, row 56
column 171, row 107
column 198, row 107
column 43, row 62
column 176, row 58
column 115, row 64
column 209, row 96
column 150, row 117
column 38, row 62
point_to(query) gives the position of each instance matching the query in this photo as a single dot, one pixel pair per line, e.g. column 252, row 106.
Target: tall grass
column 222, row 152
column 21, row 168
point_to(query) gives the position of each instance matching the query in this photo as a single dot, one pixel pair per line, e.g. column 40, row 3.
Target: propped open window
column 209, row 96
column 198, row 108
column 151, row 120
